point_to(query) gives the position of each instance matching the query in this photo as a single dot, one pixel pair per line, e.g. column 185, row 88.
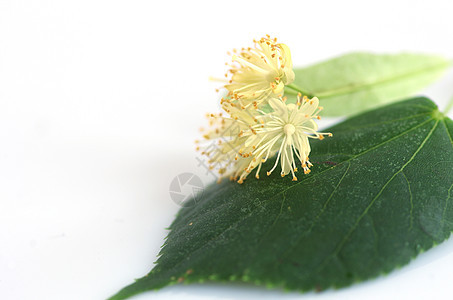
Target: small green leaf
column 356, row 82
column 379, row 194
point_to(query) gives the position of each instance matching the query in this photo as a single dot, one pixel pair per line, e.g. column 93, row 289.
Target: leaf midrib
column 362, row 86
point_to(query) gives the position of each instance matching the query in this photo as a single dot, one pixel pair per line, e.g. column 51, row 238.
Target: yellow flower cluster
column 259, row 73
column 244, row 137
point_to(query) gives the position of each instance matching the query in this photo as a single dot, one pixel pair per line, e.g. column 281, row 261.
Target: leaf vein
column 354, row 227
column 411, row 216
column 449, row 190
column 319, row 214
column 275, row 220
column 361, row 153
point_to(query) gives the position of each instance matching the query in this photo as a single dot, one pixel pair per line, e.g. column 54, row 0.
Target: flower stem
column 298, row 89
column 448, row 107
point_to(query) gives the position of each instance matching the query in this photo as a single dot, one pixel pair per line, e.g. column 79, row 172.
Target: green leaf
column 356, row 82
column 378, row 195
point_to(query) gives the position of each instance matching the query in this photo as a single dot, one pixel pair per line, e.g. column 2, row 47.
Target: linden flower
column 284, row 132
column 260, row 73
column 227, row 139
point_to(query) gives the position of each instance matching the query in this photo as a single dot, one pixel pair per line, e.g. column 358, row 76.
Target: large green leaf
column 359, row 81
column 378, row 195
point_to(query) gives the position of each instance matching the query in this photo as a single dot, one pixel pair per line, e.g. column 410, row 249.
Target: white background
column 100, row 102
